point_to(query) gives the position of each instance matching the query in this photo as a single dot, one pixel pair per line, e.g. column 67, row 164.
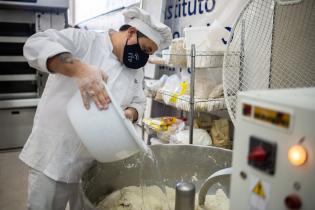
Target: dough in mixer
column 152, row 198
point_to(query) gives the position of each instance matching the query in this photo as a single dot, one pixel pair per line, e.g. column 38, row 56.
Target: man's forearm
column 88, row 78
column 66, row 64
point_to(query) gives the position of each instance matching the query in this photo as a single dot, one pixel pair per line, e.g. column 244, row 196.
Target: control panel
column 262, row 155
column 274, row 147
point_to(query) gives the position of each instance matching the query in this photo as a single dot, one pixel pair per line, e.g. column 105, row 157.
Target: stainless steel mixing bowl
column 176, row 162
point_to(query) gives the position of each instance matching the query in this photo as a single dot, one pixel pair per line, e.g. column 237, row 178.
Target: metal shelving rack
column 219, row 103
column 192, row 94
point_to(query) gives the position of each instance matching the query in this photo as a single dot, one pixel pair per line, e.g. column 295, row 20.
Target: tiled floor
column 13, row 181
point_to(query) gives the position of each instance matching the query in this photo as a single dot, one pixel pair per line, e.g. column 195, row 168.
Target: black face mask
column 134, row 57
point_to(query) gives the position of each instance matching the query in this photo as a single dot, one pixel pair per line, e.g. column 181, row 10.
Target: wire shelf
column 198, row 53
column 183, row 102
column 192, row 60
column 203, row 59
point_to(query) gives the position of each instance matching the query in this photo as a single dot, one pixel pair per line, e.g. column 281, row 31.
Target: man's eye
column 145, row 51
column 148, row 50
column 142, row 49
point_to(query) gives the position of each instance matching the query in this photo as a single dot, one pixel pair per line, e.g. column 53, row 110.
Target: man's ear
column 131, row 31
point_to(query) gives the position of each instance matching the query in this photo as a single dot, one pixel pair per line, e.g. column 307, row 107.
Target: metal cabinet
column 20, row 85
column 15, row 126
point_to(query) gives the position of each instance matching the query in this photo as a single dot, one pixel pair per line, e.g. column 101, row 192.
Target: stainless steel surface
column 189, row 163
column 20, row 77
column 12, row 59
column 17, row 79
column 192, row 94
column 16, row 16
column 185, row 196
column 16, row 96
column 20, row 85
column 19, row 103
column 13, row 39
column 218, row 176
column 15, row 126
column 48, row 20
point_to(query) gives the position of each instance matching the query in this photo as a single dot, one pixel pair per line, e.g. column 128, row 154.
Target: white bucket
column 107, row 134
column 208, row 45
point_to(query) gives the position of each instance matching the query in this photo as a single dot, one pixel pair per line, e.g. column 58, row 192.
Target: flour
column 194, row 178
column 152, row 198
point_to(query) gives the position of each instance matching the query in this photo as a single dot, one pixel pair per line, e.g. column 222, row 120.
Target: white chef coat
column 53, row 147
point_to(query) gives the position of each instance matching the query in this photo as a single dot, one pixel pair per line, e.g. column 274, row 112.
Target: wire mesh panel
column 293, row 49
column 272, row 46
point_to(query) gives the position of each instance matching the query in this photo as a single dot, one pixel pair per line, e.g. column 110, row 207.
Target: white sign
column 89, row 9
column 186, row 13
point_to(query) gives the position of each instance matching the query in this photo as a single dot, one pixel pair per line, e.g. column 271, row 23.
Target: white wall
column 71, row 20
column 156, row 9
column 86, row 9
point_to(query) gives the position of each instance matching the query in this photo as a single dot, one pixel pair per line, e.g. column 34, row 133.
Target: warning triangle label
column 259, row 190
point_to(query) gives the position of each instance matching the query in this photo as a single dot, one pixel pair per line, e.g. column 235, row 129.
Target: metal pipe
column 185, row 196
column 192, row 93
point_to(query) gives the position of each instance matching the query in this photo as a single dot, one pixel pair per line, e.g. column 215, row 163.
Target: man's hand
column 131, row 114
column 90, row 81
column 88, row 78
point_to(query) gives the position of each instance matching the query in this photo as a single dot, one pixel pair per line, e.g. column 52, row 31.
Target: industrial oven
column 20, row 85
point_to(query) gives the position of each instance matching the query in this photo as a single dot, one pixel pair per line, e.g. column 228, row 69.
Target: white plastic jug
column 107, row 134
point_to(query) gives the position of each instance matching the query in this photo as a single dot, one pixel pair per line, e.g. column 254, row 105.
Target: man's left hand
column 131, row 114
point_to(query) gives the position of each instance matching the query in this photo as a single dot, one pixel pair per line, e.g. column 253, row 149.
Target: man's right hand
column 88, row 78
column 90, row 82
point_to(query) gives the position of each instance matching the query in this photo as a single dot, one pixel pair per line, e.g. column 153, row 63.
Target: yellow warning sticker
column 259, row 190
column 259, row 193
